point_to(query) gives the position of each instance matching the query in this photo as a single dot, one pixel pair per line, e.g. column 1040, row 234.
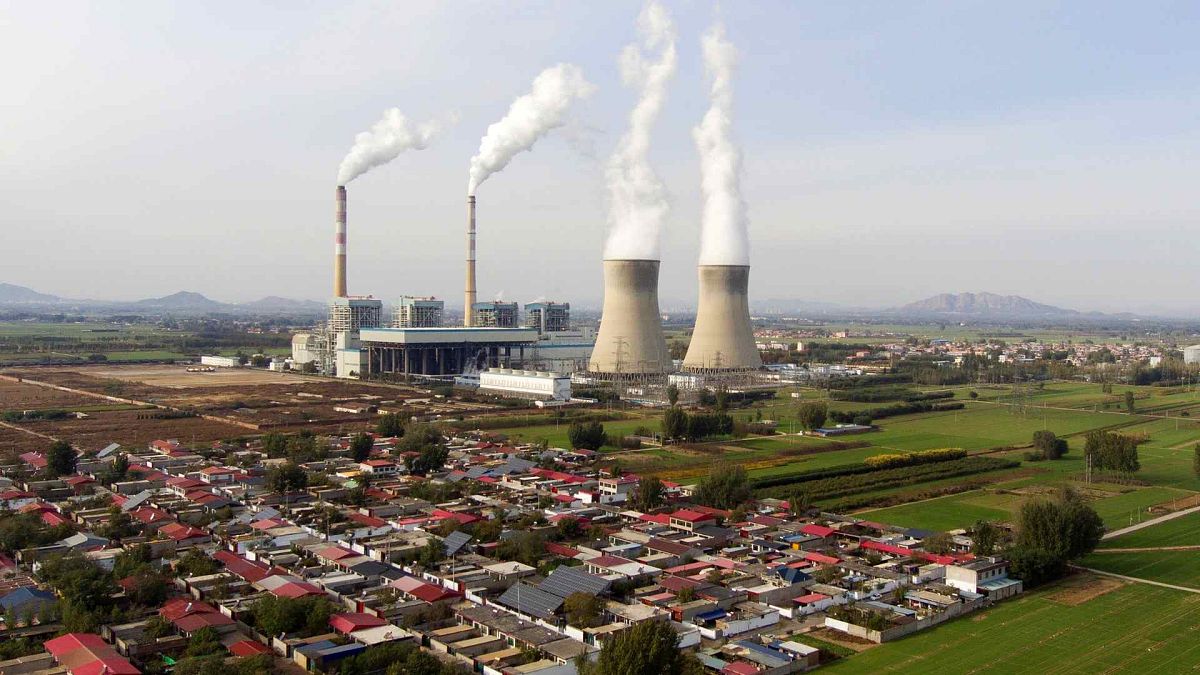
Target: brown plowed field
column 20, row 396
column 124, row 427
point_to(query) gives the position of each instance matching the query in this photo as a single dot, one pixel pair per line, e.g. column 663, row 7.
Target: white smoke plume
column 724, row 239
column 391, row 135
column 638, row 202
column 529, row 118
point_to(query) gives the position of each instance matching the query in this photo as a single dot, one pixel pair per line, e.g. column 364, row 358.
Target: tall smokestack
column 723, row 339
column 631, row 339
column 339, row 245
column 469, row 295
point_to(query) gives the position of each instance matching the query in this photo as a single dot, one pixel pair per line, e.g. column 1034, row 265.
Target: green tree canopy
column 61, row 459
column 360, row 447
column 587, row 435
column 811, row 414
column 725, row 487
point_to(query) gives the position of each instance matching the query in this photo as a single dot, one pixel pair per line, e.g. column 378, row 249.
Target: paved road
column 1148, row 523
column 1136, row 580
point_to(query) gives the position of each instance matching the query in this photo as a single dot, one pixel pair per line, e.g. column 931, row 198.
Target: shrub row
column 845, row 417
column 869, row 381
column 892, row 393
column 512, row 421
column 841, row 486
column 913, row 458
column 877, row 501
column 926, row 457
column 18, row 416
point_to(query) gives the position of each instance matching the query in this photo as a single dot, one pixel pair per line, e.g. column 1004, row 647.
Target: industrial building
column 220, row 361
column 443, row 351
column 418, row 312
column 495, row 315
column 526, row 383
column 548, row 317
column 355, row 313
column 1191, row 354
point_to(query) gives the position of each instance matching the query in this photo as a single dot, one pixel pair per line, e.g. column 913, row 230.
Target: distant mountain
column 183, row 300
column 274, row 303
column 986, row 305
column 11, row 293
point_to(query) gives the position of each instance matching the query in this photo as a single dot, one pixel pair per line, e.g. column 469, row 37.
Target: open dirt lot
column 20, row 396
column 132, row 428
column 1080, row 588
column 177, row 377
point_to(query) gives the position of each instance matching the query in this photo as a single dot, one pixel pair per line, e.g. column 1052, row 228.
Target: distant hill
column 11, row 293
column 988, row 305
column 183, row 300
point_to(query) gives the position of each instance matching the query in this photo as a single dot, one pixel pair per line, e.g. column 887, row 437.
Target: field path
column 1146, row 549
column 1153, row 521
column 1138, row 580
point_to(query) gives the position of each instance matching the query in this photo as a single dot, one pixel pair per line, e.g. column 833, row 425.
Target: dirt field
column 177, row 377
column 20, row 396
column 133, row 428
column 1080, row 588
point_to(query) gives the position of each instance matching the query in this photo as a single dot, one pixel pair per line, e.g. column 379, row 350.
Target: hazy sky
column 892, row 150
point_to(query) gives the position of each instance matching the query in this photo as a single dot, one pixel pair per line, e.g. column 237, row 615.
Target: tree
column 649, row 494
column 61, row 459
column 686, row 594
column 285, row 478
column 799, row 501
column 672, row 394
column 938, row 542
column 1130, row 406
column 274, row 444
column 725, row 487
column 568, row 528
column 119, row 525
column 390, row 425
column 1049, row 445
column 583, row 610
column 360, row 446
column 79, row 580
column 587, row 435
column 158, row 627
column 203, row 642
column 149, row 588
column 984, row 538
column 1196, row 460
column 526, row 547
column 195, row 564
column 1111, row 451
column 420, row 436
column 1051, row 533
column 811, row 414
column 648, row 648
column 674, row 423
column 115, row 472
column 308, row 615
column 431, row 459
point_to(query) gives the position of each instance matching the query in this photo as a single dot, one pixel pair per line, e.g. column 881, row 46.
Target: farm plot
column 22, row 396
column 133, row 428
column 1181, row 531
column 1132, row 629
column 1181, row 568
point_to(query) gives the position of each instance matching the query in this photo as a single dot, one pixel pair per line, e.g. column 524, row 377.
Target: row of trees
column 677, row 423
column 1108, row 451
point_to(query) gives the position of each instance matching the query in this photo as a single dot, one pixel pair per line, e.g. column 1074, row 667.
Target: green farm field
column 1181, row 568
column 1181, row 531
column 1135, row 628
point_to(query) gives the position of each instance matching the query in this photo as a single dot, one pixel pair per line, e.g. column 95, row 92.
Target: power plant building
column 418, row 312
column 354, row 313
column 548, row 317
column 526, row 383
column 443, row 351
column 630, row 343
column 494, row 315
column 1191, row 354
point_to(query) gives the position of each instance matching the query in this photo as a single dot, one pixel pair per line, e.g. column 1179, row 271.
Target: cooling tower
column 469, row 294
column 631, row 336
column 723, row 339
column 339, row 245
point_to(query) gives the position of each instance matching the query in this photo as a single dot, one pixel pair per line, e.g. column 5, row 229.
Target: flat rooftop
column 448, row 335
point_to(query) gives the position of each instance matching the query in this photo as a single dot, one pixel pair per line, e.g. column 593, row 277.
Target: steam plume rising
column 390, row 136
column 529, row 118
column 723, row 236
column 638, row 201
